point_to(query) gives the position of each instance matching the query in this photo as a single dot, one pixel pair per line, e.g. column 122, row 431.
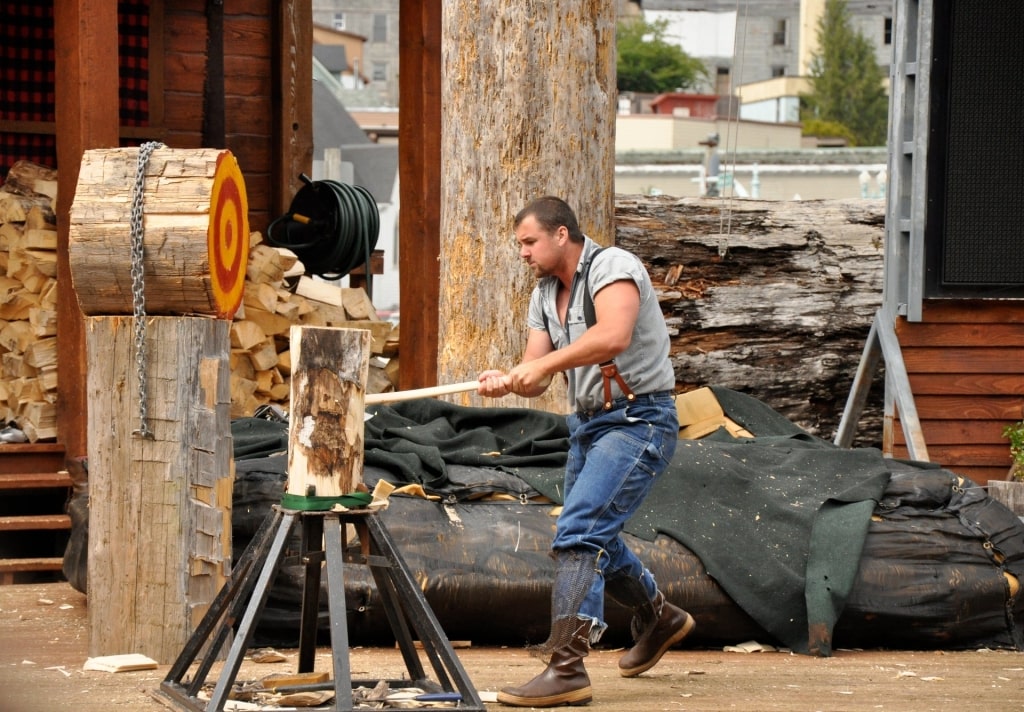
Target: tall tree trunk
column 529, row 99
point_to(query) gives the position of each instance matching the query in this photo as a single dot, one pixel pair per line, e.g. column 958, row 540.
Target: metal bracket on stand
column 882, row 344
column 239, row 604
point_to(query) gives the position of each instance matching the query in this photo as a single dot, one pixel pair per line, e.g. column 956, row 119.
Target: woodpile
column 28, row 301
column 278, row 295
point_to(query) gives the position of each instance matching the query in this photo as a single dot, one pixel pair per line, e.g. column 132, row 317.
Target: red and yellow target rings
column 228, row 235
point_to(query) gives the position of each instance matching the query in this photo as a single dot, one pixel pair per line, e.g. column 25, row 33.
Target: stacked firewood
column 28, row 301
column 277, row 295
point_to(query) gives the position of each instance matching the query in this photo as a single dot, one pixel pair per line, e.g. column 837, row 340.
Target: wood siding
column 267, row 92
column 965, row 361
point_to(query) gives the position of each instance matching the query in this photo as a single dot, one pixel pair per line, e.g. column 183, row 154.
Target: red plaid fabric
column 27, row 75
column 133, row 61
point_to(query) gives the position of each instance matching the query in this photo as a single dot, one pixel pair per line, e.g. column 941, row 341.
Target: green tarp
column 778, row 520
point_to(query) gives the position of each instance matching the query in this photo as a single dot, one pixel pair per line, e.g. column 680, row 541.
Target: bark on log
column 195, row 224
column 32, row 179
column 774, row 299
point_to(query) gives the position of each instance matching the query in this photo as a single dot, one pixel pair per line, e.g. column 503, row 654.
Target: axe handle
column 432, row 392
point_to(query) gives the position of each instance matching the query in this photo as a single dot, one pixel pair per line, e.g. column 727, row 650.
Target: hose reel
column 332, row 227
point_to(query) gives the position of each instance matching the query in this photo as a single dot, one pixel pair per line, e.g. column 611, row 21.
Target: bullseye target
column 228, row 235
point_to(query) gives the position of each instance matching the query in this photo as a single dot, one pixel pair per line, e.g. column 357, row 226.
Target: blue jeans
column 615, row 456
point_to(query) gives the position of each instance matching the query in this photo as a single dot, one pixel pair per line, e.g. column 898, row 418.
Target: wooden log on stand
column 325, row 429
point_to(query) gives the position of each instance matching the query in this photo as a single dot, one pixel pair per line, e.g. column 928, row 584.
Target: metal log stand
column 240, row 603
column 325, row 448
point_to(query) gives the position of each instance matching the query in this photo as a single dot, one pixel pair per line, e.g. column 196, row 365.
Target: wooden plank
column 981, row 474
column 958, row 407
column 35, row 522
column 157, row 66
column 325, row 427
column 977, row 473
column 158, row 514
column 963, row 360
column 958, row 455
column 974, row 311
column 291, row 44
column 959, row 432
column 946, row 334
column 419, row 170
column 34, row 480
column 88, row 118
column 31, row 564
column 31, row 457
column 977, row 384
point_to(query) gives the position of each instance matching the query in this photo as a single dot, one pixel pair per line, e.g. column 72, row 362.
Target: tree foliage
column 847, row 84
column 648, row 63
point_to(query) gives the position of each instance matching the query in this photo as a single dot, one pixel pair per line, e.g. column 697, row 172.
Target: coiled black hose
column 332, row 228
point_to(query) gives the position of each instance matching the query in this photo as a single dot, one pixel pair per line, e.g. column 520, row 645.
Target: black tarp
column 778, row 520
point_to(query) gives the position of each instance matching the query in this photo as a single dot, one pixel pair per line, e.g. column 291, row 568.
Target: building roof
column 374, row 166
column 333, row 57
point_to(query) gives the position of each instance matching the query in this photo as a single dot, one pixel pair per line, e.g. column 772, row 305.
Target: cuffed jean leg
column 614, row 459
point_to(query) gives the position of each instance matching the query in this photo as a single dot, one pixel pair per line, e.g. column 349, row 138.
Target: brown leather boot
column 564, row 681
column 671, row 626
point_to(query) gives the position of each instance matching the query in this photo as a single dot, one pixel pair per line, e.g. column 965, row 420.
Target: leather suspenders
column 609, row 370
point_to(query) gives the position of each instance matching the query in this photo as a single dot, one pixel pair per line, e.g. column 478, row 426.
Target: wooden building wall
column 166, row 57
column 110, row 73
column 268, row 105
column 965, row 362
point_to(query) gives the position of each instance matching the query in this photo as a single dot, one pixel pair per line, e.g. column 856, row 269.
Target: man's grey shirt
column 644, row 365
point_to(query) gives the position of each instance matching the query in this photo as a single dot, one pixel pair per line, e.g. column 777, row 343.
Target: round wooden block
column 195, row 228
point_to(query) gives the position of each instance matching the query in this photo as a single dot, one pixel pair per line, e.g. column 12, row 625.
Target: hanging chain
column 138, row 283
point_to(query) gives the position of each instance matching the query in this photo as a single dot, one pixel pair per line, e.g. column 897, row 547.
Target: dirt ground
column 44, row 644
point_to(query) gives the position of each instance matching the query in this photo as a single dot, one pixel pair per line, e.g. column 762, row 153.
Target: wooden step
column 35, row 522
column 31, row 457
column 34, row 480
column 47, row 563
column 10, row 567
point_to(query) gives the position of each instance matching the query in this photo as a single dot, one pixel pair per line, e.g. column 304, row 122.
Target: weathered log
column 325, row 430
column 195, row 232
column 500, row 153
column 159, row 543
column 773, row 299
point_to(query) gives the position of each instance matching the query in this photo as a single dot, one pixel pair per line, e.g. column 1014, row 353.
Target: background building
column 761, row 50
column 377, row 22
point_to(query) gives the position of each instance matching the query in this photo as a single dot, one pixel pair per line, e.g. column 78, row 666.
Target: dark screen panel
column 976, row 224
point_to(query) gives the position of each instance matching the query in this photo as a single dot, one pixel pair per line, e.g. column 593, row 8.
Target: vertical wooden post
column 160, row 508
column 419, row 180
column 86, row 113
column 325, row 431
column 292, row 68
